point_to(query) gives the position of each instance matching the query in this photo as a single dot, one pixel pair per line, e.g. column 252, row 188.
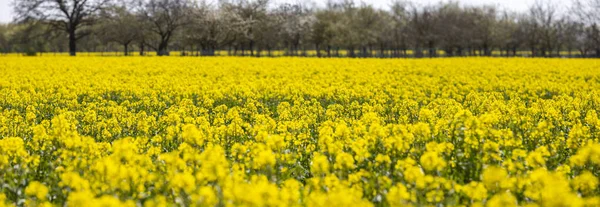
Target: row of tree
column 340, row 28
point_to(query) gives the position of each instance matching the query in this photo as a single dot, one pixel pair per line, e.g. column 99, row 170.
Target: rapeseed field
column 227, row 131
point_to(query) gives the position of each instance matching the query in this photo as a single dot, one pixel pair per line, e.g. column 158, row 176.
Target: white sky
column 514, row 5
column 5, row 11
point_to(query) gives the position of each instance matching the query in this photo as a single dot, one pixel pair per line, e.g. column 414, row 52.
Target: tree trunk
column 543, row 53
column 141, row 49
column 417, row 52
column 126, row 46
column 318, row 50
column 162, row 49
column 350, row 52
column 432, row 51
column 448, row 52
column 72, row 43
column 251, row 48
column 162, row 52
column 487, row 51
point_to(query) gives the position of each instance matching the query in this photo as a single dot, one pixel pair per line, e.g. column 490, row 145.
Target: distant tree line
column 340, row 28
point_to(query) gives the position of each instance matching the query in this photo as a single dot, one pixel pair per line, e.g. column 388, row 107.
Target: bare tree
column 453, row 28
column 508, row 36
column 71, row 16
column 588, row 12
column 567, row 31
column 164, row 18
column 295, row 25
column 6, row 33
column 423, row 25
column 246, row 16
column 343, row 25
column 369, row 23
column 253, row 26
column 269, row 34
column 544, row 17
column 121, row 25
column 400, row 14
column 323, row 29
column 385, row 27
column 485, row 19
column 210, row 29
column 195, row 33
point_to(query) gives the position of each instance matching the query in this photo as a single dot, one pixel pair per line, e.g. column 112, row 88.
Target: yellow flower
column 344, row 161
column 173, row 131
column 536, row 158
column 37, row 190
column 192, row 135
column 585, row 183
column 205, row 197
column 319, row 164
column 502, row 199
column 157, row 201
column 493, row 176
column 264, row 158
column 80, row 198
column 475, row 191
column 431, row 161
column 182, row 182
column 3, row 201
column 382, row 160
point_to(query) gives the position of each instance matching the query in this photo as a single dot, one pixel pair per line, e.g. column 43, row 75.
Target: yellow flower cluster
column 183, row 131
